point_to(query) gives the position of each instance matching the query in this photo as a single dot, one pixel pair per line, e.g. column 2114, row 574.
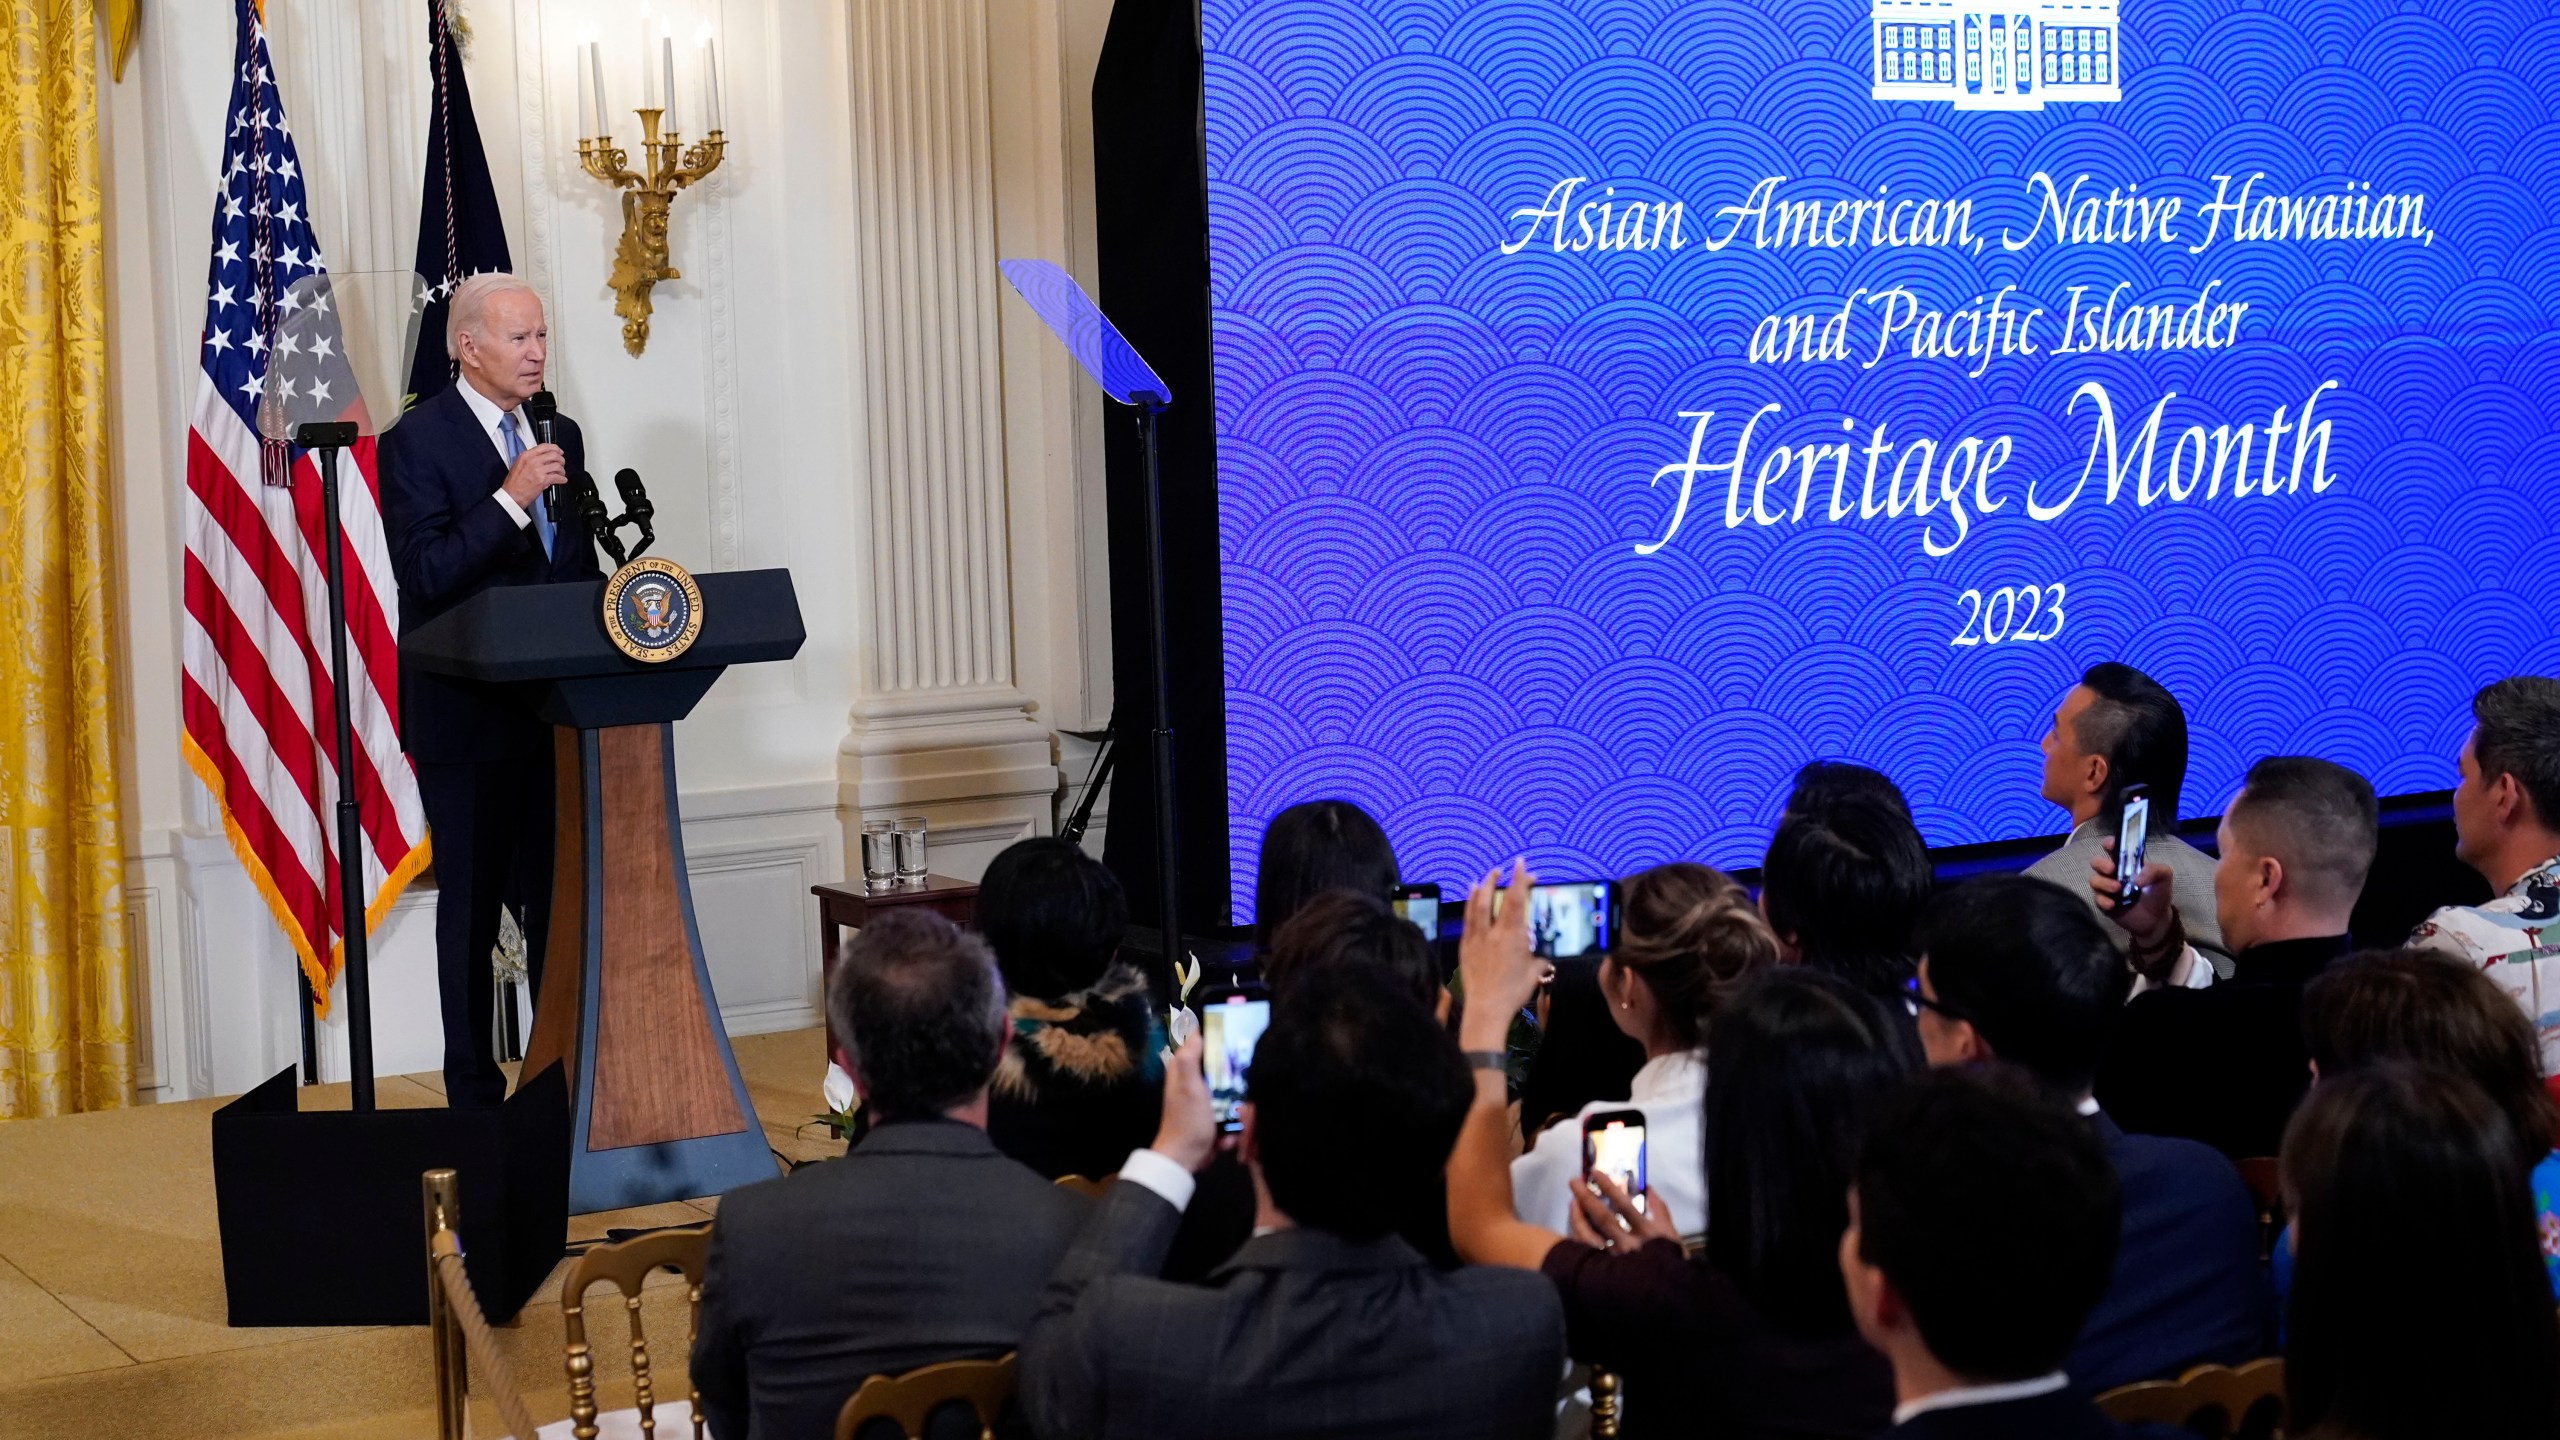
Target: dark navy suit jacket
column 2188, row 1286
column 450, row 540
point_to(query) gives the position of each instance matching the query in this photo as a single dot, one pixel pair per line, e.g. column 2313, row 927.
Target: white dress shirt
column 486, row 411
column 1671, row 1090
column 1964, row 1395
column 1161, row 1174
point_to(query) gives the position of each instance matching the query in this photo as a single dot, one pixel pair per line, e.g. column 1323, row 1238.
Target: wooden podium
column 626, row 1003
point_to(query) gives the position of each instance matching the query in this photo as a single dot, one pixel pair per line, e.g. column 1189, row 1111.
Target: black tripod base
column 320, row 1211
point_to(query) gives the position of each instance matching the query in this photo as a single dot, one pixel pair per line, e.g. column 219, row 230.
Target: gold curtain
column 66, row 1026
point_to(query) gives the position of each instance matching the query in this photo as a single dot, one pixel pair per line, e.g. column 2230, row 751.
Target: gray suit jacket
column 923, row 1243
column 1302, row 1333
column 2190, row 879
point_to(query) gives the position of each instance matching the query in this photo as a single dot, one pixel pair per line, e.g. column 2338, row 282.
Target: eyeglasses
column 1915, row 1002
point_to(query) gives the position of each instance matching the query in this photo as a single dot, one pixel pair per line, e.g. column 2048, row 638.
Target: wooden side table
column 849, row 905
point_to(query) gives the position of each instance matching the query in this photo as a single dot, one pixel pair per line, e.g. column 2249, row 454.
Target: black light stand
column 328, row 438
column 1168, row 855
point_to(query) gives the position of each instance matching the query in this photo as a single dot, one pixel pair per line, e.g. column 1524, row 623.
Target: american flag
column 259, row 710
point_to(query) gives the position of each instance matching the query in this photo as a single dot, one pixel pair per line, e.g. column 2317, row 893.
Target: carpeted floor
column 111, row 1302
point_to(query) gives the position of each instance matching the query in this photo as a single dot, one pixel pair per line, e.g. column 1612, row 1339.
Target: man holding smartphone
column 2119, row 727
column 2227, row 1065
column 1352, row 1104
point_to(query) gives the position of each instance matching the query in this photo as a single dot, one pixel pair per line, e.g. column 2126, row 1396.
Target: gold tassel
column 124, row 21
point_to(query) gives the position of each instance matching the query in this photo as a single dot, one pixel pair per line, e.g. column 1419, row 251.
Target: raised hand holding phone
column 1500, row 974
column 1187, row 1135
column 1610, row 1217
column 2148, row 918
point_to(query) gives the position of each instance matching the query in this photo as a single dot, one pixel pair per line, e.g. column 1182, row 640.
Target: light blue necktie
column 514, row 446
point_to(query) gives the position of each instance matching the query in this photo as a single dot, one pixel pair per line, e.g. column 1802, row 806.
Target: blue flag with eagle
column 459, row 232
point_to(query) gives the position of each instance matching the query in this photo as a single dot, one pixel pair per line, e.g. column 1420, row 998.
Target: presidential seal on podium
column 652, row 609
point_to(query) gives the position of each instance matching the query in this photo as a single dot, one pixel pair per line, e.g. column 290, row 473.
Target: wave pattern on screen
column 1434, row 458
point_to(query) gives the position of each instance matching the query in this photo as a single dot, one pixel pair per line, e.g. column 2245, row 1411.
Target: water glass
column 879, row 855
column 910, row 838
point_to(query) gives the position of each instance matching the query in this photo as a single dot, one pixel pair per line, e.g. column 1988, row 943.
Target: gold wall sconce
column 667, row 166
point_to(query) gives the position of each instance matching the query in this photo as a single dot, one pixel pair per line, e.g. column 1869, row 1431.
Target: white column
column 940, row 728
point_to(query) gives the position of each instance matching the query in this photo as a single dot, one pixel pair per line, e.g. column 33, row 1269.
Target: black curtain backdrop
column 1152, row 223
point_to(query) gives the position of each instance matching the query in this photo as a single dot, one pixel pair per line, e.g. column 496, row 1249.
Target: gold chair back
column 985, row 1386
column 1606, row 1405
column 1086, row 1185
column 2211, row 1400
column 626, row 1266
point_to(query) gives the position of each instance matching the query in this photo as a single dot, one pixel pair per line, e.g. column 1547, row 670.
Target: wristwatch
column 1495, row 1060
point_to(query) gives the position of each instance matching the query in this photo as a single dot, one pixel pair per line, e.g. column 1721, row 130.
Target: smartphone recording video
column 1569, row 919
column 1613, row 1145
column 2133, row 835
column 1229, row 1031
column 1419, row 904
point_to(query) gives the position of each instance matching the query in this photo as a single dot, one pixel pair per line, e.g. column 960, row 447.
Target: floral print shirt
column 2516, row 939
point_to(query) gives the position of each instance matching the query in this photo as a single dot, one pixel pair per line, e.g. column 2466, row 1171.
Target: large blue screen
column 1623, row 401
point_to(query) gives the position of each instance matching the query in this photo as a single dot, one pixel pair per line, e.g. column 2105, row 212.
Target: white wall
column 840, row 383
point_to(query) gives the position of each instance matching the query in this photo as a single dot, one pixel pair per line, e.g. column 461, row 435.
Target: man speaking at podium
column 467, row 487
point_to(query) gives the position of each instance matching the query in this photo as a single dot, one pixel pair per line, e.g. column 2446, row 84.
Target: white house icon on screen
column 2022, row 56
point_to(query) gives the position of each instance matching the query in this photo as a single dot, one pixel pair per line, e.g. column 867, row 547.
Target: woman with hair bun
column 1687, row 938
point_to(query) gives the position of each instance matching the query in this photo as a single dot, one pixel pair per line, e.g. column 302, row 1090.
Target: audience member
column 1311, row 848
column 1819, row 783
column 1752, row 1338
column 1325, row 1322
column 1307, row 850
column 2018, row 969
column 1351, row 927
column 923, row 1243
column 2425, row 1007
column 1078, row 1088
column 1687, row 937
column 2226, row 1065
column 2420, row 1306
column 1844, row 878
column 1576, row 1052
column 2506, row 825
column 2120, row 727
column 1337, row 929
column 1982, row 1229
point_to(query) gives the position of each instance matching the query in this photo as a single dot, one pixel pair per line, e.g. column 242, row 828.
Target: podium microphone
column 589, row 506
column 636, row 507
column 635, row 499
column 541, row 409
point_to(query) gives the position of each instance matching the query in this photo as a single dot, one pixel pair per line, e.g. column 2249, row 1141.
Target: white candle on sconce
column 713, row 119
column 595, row 69
column 648, row 72
column 586, row 97
column 667, row 63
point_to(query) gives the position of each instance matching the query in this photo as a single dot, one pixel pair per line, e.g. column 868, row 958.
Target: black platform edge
column 321, row 1214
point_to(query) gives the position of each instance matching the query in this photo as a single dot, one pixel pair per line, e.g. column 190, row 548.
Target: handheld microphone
column 541, row 409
